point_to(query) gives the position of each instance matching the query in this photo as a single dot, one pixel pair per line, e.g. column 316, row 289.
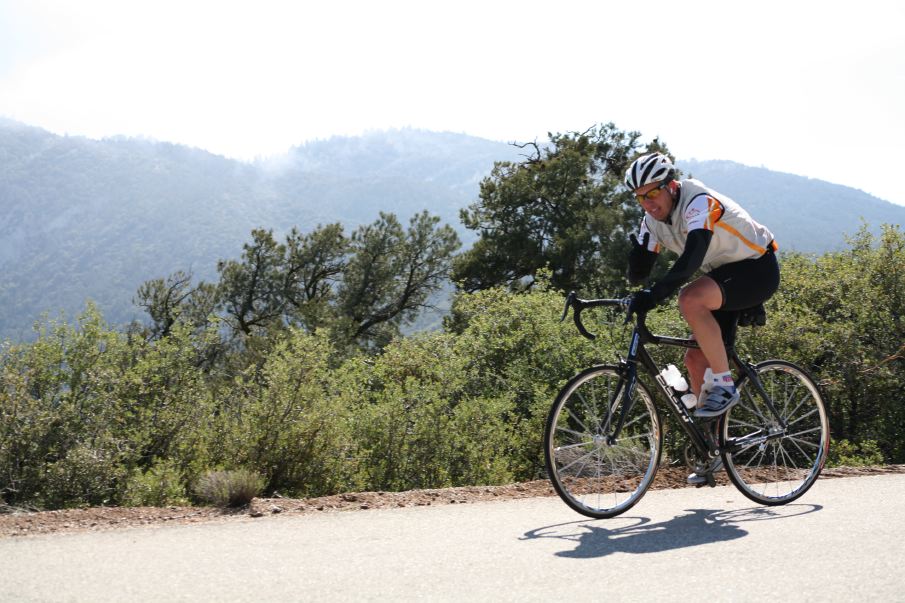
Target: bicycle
column 603, row 439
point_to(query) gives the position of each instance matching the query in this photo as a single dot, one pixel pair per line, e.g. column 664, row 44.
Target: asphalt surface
column 844, row 540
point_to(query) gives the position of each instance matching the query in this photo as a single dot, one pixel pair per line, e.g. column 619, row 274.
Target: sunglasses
column 652, row 193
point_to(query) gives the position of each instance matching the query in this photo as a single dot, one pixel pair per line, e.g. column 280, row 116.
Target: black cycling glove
column 640, row 259
column 642, row 301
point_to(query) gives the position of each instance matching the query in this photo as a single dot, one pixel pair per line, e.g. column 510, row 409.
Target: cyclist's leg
column 697, row 302
column 743, row 285
column 696, row 362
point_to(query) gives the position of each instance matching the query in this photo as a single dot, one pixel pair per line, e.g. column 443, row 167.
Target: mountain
column 350, row 180
column 85, row 219
column 804, row 214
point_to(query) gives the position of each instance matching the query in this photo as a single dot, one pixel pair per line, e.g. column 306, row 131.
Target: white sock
column 724, row 380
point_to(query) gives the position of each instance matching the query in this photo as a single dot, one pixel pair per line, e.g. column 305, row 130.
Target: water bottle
column 689, row 400
column 674, row 378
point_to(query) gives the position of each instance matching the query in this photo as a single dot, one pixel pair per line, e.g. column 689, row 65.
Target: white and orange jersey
column 736, row 236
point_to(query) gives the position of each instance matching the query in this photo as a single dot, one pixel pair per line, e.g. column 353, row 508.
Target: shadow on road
column 639, row 535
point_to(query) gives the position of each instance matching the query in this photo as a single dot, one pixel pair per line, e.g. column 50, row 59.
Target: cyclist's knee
column 695, row 359
column 690, row 300
column 701, row 295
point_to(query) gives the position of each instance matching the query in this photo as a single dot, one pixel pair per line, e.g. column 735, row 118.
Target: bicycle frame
column 702, row 440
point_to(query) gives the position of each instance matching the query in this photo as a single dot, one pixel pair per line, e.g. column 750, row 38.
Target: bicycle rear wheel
column 593, row 475
column 769, row 464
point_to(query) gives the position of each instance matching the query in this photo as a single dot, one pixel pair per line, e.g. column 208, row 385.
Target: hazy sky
column 811, row 88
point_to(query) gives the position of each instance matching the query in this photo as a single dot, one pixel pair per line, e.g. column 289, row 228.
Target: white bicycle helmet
column 653, row 167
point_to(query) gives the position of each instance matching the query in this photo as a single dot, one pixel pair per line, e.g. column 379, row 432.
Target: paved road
column 845, row 540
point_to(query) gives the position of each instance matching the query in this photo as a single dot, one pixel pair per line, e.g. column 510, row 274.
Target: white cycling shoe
column 699, row 478
column 719, row 400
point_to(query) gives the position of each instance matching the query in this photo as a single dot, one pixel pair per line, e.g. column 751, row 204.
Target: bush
column 850, row 454
column 289, row 419
column 86, row 476
column 160, row 486
column 229, row 488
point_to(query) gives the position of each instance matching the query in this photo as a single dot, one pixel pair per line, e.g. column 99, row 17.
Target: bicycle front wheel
column 769, row 463
column 593, row 472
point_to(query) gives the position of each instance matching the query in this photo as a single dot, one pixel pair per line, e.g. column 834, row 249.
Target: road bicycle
column 603, row 439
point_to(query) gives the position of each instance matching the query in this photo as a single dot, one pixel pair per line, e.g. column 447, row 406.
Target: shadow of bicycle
column 637, row 535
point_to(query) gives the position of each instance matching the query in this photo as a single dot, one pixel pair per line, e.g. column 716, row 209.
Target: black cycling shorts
column 744, row 284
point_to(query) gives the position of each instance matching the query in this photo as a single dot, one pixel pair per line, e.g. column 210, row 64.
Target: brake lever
column 571, row 296
column 627, row 302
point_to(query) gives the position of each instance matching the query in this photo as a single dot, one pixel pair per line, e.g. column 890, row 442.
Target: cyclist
column 710, row 232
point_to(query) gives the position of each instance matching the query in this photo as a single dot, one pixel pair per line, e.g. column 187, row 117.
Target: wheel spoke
column 804, row 442
column 754, row 408
column 589, row 410
column 583, row 458
column 803, row 417
column 579, row 421
column 570, row 446
column 738, row 423
column 785, row 405
column 636, row 437
column 577, row 434
column 798, row 433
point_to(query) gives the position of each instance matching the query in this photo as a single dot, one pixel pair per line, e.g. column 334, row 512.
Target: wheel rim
column 593, row 475
column 782, row 466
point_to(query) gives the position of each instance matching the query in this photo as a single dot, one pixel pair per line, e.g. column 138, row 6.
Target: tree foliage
column 391, row 272
column 564, row 208
column 363, row 287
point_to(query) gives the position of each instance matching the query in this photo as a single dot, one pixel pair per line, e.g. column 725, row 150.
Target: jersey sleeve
column 652, row 243
column 702, row 213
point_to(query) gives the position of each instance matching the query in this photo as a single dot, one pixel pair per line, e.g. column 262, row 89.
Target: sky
column 810, row 88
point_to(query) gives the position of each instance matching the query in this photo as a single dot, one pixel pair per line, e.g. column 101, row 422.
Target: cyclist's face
column 659, row 204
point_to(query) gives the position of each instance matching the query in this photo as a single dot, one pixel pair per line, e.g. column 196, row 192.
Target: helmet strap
column 674, row 188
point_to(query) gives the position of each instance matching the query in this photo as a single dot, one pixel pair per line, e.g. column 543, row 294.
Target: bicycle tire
column 779, row 470
column 594, row 477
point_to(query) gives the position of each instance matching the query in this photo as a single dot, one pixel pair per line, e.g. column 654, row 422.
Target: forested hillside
column 82, row 219
column 289, row 370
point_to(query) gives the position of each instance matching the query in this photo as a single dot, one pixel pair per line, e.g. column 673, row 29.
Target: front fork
column 630, row 373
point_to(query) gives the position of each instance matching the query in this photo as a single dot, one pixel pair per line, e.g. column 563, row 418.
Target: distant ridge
column 85, row 219
column 805, row 214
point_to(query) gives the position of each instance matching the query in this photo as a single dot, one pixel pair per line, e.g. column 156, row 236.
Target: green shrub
column 229, row 488
column 160, row 486
column 289, row 419
column 86, row 476
column 851, row 454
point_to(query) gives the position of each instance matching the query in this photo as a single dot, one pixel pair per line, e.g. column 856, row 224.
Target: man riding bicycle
column 710, row 232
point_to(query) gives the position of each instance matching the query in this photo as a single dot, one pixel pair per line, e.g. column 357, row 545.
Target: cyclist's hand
column 642, row 246
column 642, row 301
